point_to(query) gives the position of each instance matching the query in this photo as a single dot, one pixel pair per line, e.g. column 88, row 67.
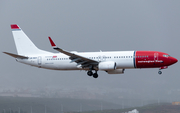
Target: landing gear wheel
column 160, row 72
column 89, row 73
column 95, row 75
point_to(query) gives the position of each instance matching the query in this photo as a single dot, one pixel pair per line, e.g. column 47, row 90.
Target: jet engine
column 108, row 65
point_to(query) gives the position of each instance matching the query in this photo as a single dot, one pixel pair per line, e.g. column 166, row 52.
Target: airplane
column 112, row 62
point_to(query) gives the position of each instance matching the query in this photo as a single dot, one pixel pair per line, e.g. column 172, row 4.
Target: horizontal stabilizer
column 16, row 56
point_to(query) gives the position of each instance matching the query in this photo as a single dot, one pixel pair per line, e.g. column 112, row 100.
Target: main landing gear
column 90, row 73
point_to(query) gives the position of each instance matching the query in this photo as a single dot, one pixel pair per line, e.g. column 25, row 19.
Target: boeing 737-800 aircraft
column 113, row 62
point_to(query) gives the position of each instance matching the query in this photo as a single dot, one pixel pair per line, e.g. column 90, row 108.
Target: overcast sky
column 92, row 25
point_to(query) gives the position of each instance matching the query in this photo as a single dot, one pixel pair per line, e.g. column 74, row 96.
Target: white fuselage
column 59, row 61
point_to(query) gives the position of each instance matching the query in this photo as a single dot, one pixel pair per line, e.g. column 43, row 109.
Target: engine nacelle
column 108, row 65
column 117, row 71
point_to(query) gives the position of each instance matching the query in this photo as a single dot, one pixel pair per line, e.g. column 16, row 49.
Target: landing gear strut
column 164, row 67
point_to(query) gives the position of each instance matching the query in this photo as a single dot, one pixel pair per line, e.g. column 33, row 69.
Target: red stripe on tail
column 14, row 26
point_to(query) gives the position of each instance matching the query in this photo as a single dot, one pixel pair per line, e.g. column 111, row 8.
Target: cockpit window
column 166, row 55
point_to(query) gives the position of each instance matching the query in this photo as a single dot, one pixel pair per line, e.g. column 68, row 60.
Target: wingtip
column 14, row 26
column 51, row 41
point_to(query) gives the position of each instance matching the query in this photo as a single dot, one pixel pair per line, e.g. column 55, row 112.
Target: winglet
column 52, row 43
column 14, row 26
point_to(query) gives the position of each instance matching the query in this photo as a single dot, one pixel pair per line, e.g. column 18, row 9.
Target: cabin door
column 39, row 60
column 155, row 56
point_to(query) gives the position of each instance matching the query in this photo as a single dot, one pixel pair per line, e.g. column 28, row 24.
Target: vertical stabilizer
column 23, row 44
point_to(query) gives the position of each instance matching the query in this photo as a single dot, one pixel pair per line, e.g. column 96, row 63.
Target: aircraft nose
column 173, row 60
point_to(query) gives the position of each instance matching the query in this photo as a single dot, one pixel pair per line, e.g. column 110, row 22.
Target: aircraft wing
column 80, row 60
column 16, row 56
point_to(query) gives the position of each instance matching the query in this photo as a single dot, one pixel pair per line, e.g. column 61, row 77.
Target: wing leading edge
column 80, row 60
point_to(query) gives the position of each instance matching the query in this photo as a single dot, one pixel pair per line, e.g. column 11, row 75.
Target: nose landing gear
column 164, row 67
column 159, row 72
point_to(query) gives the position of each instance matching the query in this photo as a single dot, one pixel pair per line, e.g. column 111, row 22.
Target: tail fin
column 23, row 44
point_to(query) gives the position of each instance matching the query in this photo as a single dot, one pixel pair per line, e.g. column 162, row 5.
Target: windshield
column 166, row 55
